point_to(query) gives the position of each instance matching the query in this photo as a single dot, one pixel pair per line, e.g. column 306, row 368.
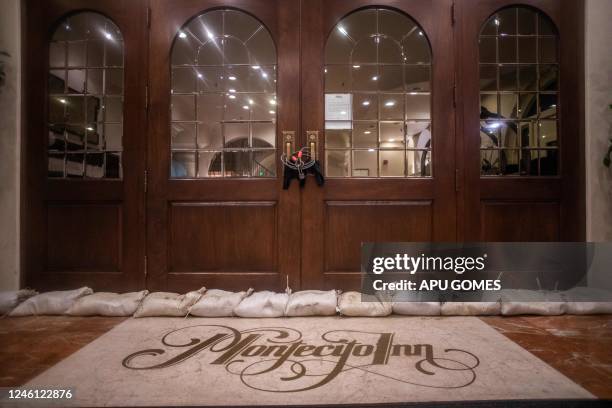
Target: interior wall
column 598, row 120
column 10, row 104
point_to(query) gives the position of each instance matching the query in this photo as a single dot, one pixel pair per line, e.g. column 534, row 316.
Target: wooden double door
column 385, row 94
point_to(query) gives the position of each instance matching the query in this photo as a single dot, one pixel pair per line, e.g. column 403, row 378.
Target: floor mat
column 318, row 360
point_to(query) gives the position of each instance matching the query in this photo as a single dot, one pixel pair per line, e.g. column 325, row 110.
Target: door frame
column 531, row 195
column 126, row 196
column 231, row 194
column 437, row 192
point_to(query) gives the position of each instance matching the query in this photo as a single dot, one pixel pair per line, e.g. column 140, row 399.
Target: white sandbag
column 50, row 303
column 584, row 300
column 263, row 304
column 107, row 304
column 168, row 304
column 489, row 304
column 10, row 299
column 471, row 308
column 350, row 304
column 417, row 308
column 534, row 302
column 312, row 303
column 218, row 303
column 409, row 303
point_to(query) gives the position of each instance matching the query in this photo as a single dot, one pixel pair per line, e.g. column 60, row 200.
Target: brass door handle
column 312, row 136
column 289, row 141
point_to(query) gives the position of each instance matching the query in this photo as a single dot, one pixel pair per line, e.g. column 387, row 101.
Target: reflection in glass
column 223, row 96
column 337, row 163
column 86, row 60
column 377, row 84
column 392, row 163
column 519, row 85
column 365, row 163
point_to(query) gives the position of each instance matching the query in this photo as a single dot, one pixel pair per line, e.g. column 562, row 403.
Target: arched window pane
column 377, row 97
column 85, row 87
column 223, row 102
column 519, row 86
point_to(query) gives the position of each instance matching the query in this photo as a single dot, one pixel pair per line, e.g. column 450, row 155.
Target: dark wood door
column 224, row 87
column 83, row 200
column 520, row 104
column 377, row 86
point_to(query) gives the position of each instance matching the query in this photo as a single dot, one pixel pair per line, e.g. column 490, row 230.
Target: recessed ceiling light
column 272, row 112
column 251, row 102
column 231, row 90
column 375, row 78
column 255, row 67
column 272, row 102
column 356, row 66
column 365, row 103
column 232, row 96
column 390, row 103
column 245, row 107
column 200, row 75
column 367, row 132
column 231, row 78
column 182, row 35
column 62, row 100
column 108, row 36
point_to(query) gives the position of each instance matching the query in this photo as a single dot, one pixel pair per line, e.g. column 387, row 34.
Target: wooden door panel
column 549, row 208
column 347, row 211
column 224, row 232
column 84, row 237
column 238, row 237
column 371, row 221
column 84, row 230
column 520, row 222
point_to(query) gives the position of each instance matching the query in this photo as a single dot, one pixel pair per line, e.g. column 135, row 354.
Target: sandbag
column 218, row 303
column 168, row 304
column 534, row 302
column 50, row 303
column 417, row 308
column 107, row 304
column 470, row 308
column 489, row 304
column 416, row 303
column 312, row 303
column 584, row 300
column 263, row 304
column 350, row 304
column 10, row 299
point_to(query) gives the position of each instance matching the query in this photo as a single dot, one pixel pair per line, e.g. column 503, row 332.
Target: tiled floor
column 580, row 347
column 30, row 345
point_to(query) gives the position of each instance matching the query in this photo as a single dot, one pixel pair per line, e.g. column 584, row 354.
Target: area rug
column 301, row 361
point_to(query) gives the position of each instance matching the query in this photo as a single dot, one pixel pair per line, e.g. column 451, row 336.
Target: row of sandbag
column 220, row 303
